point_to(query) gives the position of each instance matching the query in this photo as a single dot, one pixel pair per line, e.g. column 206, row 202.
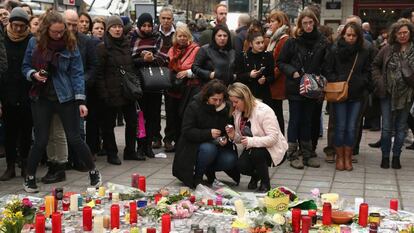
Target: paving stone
column 315, row 184
column 342, row 185
column 381, row 194
column 352, row 192
column 381, row 187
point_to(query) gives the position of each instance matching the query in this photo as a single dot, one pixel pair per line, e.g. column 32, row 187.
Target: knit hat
column 144, row 18
column 18, row 14
column 125, row 20
column 112, row 21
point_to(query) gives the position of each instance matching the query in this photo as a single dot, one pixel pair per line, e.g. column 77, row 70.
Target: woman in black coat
column 303, row 54
column 349, row 49
column 216, row 60
column 203, row 147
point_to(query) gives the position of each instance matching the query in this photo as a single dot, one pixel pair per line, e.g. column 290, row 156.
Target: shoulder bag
column 155, row 78
column 131, row 87
column 338, row 91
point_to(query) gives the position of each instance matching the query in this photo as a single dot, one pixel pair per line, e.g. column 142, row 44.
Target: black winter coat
column 3, row 57
column 296, row 57
column 249, row 61
column 209, row 59
column 111, row 56
column 199, row 119
column 87, row 49
column 14, row 87
column 338, row 66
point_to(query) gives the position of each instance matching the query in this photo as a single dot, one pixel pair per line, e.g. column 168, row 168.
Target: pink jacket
column 266, row 131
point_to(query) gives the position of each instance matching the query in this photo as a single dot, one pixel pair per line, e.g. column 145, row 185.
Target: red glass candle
column 134, row 180
column 363, row 215
column 312, row 214
column 192, row 198
column 115, row 216
column 87, row 218
column 40, row 223
column 98, row 201
column 394, row 204
column 142, row 184
column 133, row 212
column 151, row 230
column 210, row 202
column 296, row 213
column 327, row 214
column 56, row 222
column 165, row 223
column 157, row 197
column 65, row 202
column 306, row 223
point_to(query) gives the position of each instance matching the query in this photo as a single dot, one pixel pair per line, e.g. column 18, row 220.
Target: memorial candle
column 363, row 215
column 296, row 214
column 306, row 223
column 165, row 223
column 106, row 220
column 115, row 197
column 327, row 214
column 74, row 202
column 40, row 223
column 133, row 212
column 394, row 204
column 87, row 218
column 115, row 216
column 98, row 224
column 157, row 197
column 151, row 230
column 142, row 184
column 240, row 210
column 49, row 205
column 56, row 223
column 312, row 214
column 101, row 191
column 134, row 180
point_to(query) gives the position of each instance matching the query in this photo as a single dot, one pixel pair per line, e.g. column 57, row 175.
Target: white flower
column 279, row 219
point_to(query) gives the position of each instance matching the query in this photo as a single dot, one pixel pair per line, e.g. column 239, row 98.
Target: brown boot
column 9, row 173
column 348, row 158
column 340, row 158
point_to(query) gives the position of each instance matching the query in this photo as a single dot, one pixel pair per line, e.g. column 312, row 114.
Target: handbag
column 312, row 86
column 407, row 73
column 155, row 78
column 131, row 87
column 338, row 91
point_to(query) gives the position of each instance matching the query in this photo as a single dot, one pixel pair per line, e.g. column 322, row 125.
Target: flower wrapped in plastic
column 183, row 209
column 125, row 192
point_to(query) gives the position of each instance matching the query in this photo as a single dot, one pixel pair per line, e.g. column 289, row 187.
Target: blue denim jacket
column 68, row 81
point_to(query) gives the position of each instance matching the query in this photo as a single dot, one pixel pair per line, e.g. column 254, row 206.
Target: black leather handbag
column 155, row 78
column 131, row 87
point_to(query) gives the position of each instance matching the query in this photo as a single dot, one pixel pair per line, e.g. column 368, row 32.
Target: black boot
column 375, row 144
column 132, row 156
column 114, row 159
column 140, row 150
column 396, row 162
column 55, row 173
column 264, row 186
column 234, row 174
column 148, row 149
column 253, row 183
column 385, row 163
column 211, row 176
column 9, row 173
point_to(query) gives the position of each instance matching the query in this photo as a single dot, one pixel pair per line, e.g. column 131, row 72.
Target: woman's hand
column 39, row 77
column 262, row 80
column 83, row 110
column 181, row 74
column 215, row 133
column 254, row 73
column 296, row 75
column 148, row 57
column 244, row 141
column 230, row 132
column 212, row 75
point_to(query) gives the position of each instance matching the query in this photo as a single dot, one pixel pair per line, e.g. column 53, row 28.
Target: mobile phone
column 262, row 69
column 43, row 73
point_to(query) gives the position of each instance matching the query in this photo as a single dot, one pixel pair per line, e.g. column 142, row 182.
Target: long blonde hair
column 242, row 92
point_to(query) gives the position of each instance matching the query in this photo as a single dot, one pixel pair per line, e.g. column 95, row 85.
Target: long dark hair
column 358, row 31
column 216, row 29
column 52, row 17
column 89, row 18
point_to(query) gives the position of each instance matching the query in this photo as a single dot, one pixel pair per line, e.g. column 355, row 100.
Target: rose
column 27, row 203
column 315, row 192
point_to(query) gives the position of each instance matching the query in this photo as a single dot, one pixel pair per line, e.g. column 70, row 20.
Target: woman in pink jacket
column 256, row 128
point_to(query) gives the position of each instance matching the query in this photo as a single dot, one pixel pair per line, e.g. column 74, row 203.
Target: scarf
column 48, row 58
column 347, row 51
column 276, row 37
column 309, row 39
column 16, row 37
column 180, row 53
column 401, row 93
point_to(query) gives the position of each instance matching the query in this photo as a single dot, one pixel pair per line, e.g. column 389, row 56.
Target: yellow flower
column 19, row 214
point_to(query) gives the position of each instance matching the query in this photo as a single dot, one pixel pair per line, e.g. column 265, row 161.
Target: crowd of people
column 62, row 92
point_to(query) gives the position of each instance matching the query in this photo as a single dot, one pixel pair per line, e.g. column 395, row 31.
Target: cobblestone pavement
column 367, row 179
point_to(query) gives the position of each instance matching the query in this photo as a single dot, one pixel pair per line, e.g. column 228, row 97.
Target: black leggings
column 68, row 112
column 255, row 163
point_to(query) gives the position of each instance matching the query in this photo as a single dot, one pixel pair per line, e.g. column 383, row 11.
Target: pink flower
column 27, row 203
column 315, row 192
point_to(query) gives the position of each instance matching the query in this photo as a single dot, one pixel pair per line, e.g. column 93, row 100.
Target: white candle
column 115, row 197
column 74, row 203
column 98, row 224
column 91, row 191
column 238, row 204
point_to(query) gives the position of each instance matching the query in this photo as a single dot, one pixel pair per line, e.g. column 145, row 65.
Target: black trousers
column 108, row 135
column 42, row 111
column 255, row 163
column 173, row 123
column 94, row 122
column 150, row 104
column 316, row 124
column 277, row 106
column 18, row 131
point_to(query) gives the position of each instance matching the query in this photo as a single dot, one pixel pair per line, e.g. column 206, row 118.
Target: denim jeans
column 300, row 120
column 397, row 121
column 345, row 122
column 43, row 110
column 214, row 158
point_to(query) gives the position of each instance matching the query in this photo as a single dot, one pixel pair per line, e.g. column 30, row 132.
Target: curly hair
column 43, row 38
column 397, row 26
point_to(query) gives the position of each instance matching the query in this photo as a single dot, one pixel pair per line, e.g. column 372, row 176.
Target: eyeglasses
column 57, row 32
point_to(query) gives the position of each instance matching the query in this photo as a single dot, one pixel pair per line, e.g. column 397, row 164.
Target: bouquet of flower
column 183, row 209
column 15, row 214
column 281, row 192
